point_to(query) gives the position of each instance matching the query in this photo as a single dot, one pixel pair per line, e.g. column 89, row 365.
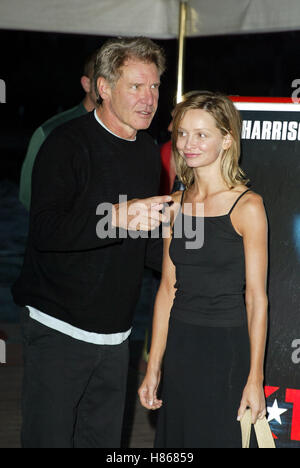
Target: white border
column 268, row 106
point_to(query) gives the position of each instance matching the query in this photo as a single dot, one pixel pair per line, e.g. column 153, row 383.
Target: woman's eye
column 181, row 133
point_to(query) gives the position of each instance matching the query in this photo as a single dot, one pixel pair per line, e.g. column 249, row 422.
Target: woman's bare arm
column 163, row 304
column 251, row 222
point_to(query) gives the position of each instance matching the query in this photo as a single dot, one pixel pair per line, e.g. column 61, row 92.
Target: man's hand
column 140, row 214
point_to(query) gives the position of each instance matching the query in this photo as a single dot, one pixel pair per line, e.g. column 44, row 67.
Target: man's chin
column 144, row 123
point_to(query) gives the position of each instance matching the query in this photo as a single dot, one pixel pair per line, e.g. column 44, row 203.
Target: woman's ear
column 227, row 142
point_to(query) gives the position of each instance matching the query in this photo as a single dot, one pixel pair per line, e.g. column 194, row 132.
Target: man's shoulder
column 74, row 129
column 67, row 142
column 63, row 118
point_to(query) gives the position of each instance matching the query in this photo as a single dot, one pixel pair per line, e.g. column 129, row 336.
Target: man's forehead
column 134, row 67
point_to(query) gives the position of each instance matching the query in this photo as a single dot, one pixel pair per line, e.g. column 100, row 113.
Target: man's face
column 133, row 100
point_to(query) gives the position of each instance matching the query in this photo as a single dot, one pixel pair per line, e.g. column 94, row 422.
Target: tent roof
column 153, row 18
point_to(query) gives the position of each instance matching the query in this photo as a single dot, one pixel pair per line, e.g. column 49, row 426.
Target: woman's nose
column 190, row 142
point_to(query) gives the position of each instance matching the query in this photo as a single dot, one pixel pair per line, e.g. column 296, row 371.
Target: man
column 81, row 288
column 41, row 133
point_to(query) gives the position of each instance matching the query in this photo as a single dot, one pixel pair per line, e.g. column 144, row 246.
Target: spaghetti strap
column 181, row 201
column 248, row 190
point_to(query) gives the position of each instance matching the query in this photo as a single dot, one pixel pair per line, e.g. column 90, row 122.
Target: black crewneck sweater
column 68, row 271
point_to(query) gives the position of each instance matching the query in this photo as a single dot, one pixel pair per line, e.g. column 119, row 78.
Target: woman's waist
column 224, row 310
column 210, row 299
column 210, row 283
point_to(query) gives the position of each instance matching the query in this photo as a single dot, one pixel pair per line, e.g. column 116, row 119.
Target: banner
column 271, row 160
column 156, row 18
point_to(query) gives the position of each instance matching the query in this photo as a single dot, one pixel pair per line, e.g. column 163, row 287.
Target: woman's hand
column 148, row 390
column 253, row 398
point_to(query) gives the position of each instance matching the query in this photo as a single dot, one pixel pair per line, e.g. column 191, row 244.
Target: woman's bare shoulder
column 249, row 214
column 251, row 201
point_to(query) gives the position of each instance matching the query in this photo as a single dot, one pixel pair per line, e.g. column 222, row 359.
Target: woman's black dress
column 207, row 356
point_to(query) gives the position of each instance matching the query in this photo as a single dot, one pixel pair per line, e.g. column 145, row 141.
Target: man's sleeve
column 62, row 219
column 35, row 143
column 155, row 245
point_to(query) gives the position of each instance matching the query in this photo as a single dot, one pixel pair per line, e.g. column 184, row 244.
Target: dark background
column 42, row 73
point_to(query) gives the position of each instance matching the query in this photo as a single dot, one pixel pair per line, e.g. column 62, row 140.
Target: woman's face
column 199, row 141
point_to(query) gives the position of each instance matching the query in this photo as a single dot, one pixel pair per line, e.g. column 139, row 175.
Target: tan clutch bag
column 262, row 430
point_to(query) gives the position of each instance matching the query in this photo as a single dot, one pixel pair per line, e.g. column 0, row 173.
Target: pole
column 181, row 46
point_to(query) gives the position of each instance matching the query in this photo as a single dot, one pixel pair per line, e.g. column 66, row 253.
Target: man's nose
column 148, row 97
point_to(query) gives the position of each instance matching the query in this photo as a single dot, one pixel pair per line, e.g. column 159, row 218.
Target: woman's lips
column 191, row 155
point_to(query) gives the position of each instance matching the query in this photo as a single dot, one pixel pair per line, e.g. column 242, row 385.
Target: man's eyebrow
column 137, row 82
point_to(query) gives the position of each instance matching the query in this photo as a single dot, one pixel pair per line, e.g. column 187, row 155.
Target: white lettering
column 271, row 130
column 295, row 94
column 255, row 135
column 246, row 131
column 292, row 134
column 296, row 353
column 2, row 352
column 276, row 131
column 198, row 233
column 104, row 228
column 117, row 458
column 284, row 130
column 266, row 130
column 2, row 92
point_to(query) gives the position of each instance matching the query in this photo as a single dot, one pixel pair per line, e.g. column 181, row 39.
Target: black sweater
column 69, row 272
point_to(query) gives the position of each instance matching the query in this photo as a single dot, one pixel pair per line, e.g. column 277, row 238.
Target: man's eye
column 135, row 86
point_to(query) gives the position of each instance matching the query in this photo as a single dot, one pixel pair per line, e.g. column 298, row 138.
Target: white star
column 275, row 412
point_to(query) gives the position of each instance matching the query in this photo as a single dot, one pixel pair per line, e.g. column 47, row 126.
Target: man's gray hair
column 115, row 52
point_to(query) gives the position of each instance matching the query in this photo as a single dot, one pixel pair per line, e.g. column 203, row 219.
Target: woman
column 210, row 316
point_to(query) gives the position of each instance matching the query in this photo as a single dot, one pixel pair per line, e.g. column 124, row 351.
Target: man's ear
column 103, row 87
column 86, row 83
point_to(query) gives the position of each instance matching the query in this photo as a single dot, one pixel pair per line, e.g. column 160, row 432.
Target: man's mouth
column 145, row 113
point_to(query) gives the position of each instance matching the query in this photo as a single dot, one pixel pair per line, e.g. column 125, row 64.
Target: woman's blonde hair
column 228, row 121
